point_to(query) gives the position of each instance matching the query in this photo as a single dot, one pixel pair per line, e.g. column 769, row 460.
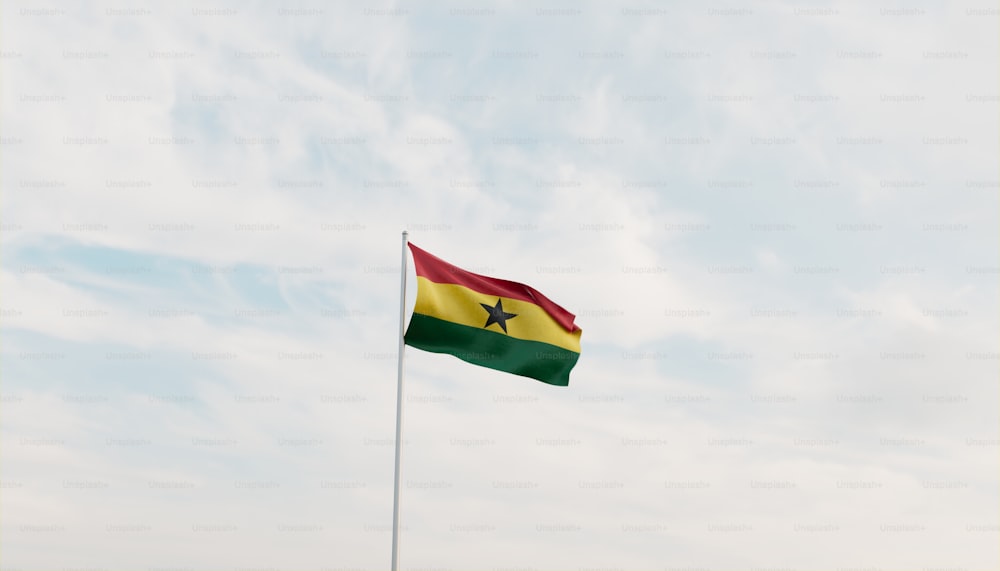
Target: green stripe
column 534, row 359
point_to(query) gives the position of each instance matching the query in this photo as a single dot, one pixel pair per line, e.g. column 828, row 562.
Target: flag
column 490, row 322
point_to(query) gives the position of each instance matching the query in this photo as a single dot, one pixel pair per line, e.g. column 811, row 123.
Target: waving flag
column 490, row 322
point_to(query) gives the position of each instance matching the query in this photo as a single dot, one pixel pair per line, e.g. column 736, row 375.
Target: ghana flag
column 494, row 323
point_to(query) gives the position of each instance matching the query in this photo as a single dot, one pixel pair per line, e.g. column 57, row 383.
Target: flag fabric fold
column 495, row 323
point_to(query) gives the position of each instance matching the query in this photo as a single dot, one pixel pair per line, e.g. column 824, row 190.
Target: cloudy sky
column 775, row 221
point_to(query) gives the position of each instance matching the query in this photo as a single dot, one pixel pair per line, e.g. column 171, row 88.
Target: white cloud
column 786, row 283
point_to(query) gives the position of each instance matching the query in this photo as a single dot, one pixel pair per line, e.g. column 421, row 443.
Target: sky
column 776, row 223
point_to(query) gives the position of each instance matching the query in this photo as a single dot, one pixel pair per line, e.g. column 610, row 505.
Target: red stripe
column 439, row 271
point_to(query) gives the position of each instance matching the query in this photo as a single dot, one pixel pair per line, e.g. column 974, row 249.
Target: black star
column 497, row 315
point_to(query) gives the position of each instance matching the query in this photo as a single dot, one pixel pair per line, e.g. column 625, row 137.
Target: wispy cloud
column 776, row 224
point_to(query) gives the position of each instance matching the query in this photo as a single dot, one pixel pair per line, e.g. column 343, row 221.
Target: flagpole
column 399, row 411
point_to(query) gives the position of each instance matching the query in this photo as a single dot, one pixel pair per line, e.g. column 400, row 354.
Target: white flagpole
column 399, row 412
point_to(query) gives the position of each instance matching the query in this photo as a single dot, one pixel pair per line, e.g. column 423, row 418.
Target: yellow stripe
column 460, row 304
